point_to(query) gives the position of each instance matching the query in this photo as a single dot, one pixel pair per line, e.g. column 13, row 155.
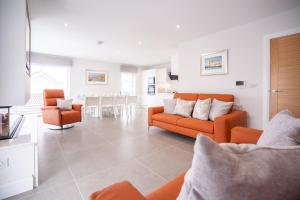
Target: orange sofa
column 218, row 130
column 170, row 191
column 53, row 115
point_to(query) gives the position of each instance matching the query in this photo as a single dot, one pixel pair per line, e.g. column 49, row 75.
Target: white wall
column 78, row 84
column 245, row 62
column 14, row 84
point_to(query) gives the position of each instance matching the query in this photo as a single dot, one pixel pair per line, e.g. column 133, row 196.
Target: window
column 128, row 83
column 49, row 77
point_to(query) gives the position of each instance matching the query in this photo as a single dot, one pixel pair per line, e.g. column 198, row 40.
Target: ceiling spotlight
column 100, row 42
column 140, row 43
column 66, row 25
column 178, row 26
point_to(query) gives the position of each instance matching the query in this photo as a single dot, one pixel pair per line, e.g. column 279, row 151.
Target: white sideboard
column 19, row 161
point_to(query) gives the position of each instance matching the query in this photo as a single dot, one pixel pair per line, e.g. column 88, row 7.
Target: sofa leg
column 148, row 128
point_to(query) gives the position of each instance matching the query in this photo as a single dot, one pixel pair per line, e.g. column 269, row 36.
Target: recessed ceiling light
column 140, row 43
column 66, row 25
column 178, row 26
column 100, row 42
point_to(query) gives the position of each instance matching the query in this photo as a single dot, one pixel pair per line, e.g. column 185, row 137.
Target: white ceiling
column 121, row 24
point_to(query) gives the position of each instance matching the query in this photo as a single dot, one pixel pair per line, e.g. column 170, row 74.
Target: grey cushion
column 246, row 171
column 184, row 107
column 283, row 130
column 169, row 105
column 219, row 108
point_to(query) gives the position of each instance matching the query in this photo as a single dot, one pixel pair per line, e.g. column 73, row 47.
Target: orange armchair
column 55, row 116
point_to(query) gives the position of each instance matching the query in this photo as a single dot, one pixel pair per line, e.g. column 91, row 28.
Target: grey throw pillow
column 245, row 171
column 282, row 130
column 219, row 108
column 201, row 109
column 64, row 104
column 169, row 105
column 184, row 107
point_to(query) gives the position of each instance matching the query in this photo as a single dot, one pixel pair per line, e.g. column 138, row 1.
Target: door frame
column 266, row 69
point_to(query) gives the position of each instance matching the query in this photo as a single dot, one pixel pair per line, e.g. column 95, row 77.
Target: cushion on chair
column 197, row 124
column 283, row 129
column 242, row 171
column 167, row 118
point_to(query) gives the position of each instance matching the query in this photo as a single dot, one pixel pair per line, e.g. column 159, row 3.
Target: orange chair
column 55, row 116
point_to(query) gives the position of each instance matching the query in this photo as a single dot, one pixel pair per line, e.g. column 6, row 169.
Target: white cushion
column 245, row 171
column 283, row 129
column 169, row 105
column 201, row 109
column 219, row 108
column 64, row 104
column 184, row 108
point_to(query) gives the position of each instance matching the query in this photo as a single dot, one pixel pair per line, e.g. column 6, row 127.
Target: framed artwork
column 95, row 77
column 214, row 63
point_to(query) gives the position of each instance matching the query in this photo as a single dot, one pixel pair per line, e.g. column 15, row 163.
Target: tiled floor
column 96, row 153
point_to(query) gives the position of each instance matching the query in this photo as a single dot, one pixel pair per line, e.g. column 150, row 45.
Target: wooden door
column 285, row 74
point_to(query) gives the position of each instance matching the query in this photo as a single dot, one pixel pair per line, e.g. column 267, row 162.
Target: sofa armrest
column 245, row 135
column 50, row 108
column 51, row 115
column 152, row 111
column 76, row 107
column 224, row 124
column 118, row 191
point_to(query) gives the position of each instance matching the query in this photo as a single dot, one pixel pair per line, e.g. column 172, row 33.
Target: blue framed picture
column 214, row 63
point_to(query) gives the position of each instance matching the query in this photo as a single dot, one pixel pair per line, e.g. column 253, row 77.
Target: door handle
column 276, row 91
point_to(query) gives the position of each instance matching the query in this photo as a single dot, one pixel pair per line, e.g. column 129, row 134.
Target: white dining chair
column 106, row 102
column 119, row 104
column 91, row 104
column 131, row 104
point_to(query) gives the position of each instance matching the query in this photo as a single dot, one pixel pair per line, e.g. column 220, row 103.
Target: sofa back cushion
column 220, row 97
column 201, row 96
column 51, row 96
column 245, row 171
column 186, row 96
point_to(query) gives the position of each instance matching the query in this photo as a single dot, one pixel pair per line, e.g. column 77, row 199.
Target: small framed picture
column 95, row 77
column 214, row 63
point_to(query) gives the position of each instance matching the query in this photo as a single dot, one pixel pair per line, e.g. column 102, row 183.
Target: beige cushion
column 245, row 171
column 64, row 104
column 219, row 108
column 184, row 108
column 201, row 109
column 169, row 105
column 283, row 130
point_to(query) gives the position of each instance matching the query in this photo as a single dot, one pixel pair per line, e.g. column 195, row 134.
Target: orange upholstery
column 169, row 191
column 118, row 191
column 186, row 96
column 245, row 135
column 196, row 124
column 224, row 124
column 53, row 115
column 221, row 97
column 152, row 111
column 219, row 130
column 51, row 96
column 168, row 118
